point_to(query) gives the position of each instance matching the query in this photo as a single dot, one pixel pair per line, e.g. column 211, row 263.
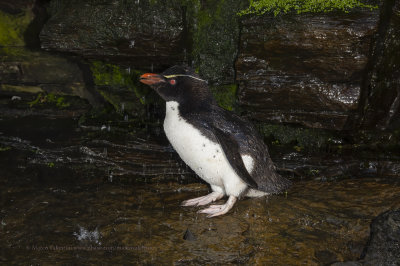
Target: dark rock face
column 149, row 35
column 384, row 244
column 304, row 69
column 140, row 33
column 15, row 6
column 215, row 38
column 380, row 98
column 37, row 68
column 24, row 71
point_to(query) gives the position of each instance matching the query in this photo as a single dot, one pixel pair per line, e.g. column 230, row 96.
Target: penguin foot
column 216, row 210
column 214, row 196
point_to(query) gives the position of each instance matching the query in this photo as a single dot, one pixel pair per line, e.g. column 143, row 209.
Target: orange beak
column 150, row 78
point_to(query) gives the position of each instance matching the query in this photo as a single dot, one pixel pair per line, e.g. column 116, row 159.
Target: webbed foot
column 216, row 210
column 204, row 200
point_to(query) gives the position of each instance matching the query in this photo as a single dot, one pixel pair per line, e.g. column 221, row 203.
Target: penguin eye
column 172, row 81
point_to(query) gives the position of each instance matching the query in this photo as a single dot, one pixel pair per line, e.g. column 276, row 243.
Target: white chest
column 204, row 157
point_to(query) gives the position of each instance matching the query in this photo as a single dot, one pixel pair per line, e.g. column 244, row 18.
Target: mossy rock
column 225, row 95
column 13, row 27
column 121, row 87
column 260, row 7
column 50, row 100
column 214, row 29
column 298, row 138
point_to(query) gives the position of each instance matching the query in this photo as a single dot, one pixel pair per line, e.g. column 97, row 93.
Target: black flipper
column 231, row 149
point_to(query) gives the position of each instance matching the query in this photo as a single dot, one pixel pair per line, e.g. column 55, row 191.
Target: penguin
column 221, row 147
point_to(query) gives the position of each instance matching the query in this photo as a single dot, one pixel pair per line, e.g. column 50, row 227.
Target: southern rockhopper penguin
column 219, row 146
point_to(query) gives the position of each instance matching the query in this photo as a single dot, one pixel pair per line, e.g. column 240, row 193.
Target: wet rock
column 189, row 235
column 43, row 206
column 215, row 26
column 149, row 35
column 25, row 71
column 121, row 87
column 384, row 244
column 145, row 34
column 325, row 256
column 40, row 138
column 380, row 98
column 304, row 69
column 225, row 95
column 15, row 6
column 347, row 263
column 21, row 66
column 13, row 23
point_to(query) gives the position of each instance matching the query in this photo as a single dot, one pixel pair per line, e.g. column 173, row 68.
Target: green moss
column 225, row 96
column 109, row 74
column 4, row 148
column 214, row 34
column 260, row 7
column 59, row 101
column 51, row 99
column 115, row 100
column 112, row 76
column 12, row 28
column 298, row 148
column 36, row 101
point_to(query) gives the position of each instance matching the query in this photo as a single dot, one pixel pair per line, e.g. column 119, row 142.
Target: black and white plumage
column 220, row 147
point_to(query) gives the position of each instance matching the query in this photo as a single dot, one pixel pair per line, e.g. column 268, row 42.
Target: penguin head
column 180, row 84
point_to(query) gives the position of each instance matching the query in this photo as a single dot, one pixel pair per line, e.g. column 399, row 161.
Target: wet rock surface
column 33, row 72
column 78, row 218
column 384, row 243
column 137, row 33
column 380, row 99
column 215, row 37
column 45, row 146
column 304, row 69
column 149, row 35
column 81, row 193
column 15, row 7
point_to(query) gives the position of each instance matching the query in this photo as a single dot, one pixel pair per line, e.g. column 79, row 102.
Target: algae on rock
column 121, row 88
column 225, row 95
column 12, row 28
column 308, row 139
column 260, row 7
column 215, row 32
